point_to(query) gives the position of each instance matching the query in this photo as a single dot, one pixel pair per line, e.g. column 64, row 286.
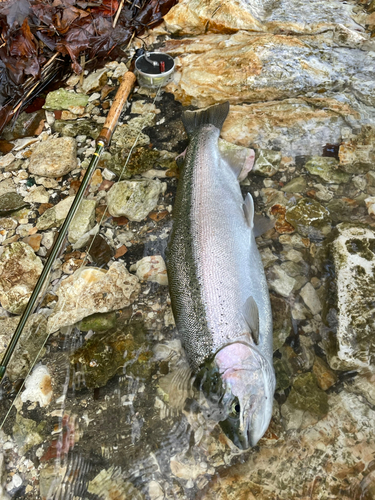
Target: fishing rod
column 102, row 141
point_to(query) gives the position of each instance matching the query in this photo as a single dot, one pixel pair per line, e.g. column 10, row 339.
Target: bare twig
column 51, row 60
column 118, row 13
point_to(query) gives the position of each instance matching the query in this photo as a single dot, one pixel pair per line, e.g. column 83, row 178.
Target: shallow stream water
column 107, row 419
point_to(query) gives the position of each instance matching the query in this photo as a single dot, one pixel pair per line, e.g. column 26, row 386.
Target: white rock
column 95, row 81
column 95, row 96
column 152, row 269
column 6, row 160
column 55, row 216
column 140, row 107
column 38, row 387
column 268, row 258
column 311, row 298
column 83, row 220
column 120, row 70
column 54, row 157
column 354, row 260
column 90, row 290
column 20, row 269
column 370, row 204
column 294, row 255
column 284, row 284
column 108, row 175
column 47, row 239
column 37, row 194
column 134, row 199
column 155, row 491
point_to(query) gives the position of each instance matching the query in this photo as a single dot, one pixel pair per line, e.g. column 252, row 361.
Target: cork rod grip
column 123, row 92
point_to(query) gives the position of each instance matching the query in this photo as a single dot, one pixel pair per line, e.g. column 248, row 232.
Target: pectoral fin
column 251, row 315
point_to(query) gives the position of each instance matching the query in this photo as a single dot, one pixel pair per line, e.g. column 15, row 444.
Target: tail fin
column 214, row 115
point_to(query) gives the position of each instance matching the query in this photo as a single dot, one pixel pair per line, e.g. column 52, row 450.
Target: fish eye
column 235, row 408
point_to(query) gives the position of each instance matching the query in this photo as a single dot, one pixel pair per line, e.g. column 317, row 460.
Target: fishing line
column 83, row 262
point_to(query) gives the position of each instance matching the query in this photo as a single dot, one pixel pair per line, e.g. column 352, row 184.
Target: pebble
column 283, row 284
column 151, row 269
column 38, row 386
column 370, row 205
column 54, row 157
column 134, row 199
column 108, row 175
column 7, row 160
column 37, row 194
column 311, row 298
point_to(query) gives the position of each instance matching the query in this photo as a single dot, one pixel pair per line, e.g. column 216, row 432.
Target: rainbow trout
column 218, row 288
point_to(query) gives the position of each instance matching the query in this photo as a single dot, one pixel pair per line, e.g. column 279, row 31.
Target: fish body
column 218, row 289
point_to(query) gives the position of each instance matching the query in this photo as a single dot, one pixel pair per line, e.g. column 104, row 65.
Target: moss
column 306, row 395
column 10, row 202
column 360, row 247
column 309, row 217
column 326, row 169
column 72, row 128
column 99, row 322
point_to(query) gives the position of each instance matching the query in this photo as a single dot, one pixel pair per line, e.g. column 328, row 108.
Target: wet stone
column 6, row 159
column 34, row 241
column 54, row 157
column 296, row 185
column 27, row 433
column 91, row 290
column 353, row 253
column 94, row 81
column 134, row 199
column 305, row 396
column 311, row 298
column 64, row 99
column 28, row 346
column 99, row 322
column 357, row 154
column 280, row 282
column 106, row 354
column 327, row 169
column 99, row 250
column 282, row 321
column 152, row 269
column 38, row 386
column 83, row 220
column 267, row 163
column 325, row 377
column 79, row 127
column 109, row 484
column 309, row 218
column 11, row 201
column 19, row 271
column 55, row 216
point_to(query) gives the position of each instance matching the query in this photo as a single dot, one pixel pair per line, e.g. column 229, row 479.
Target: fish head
column 242, row 386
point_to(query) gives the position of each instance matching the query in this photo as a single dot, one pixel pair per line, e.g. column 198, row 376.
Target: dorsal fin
column 251, row 315
column 248, row 208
